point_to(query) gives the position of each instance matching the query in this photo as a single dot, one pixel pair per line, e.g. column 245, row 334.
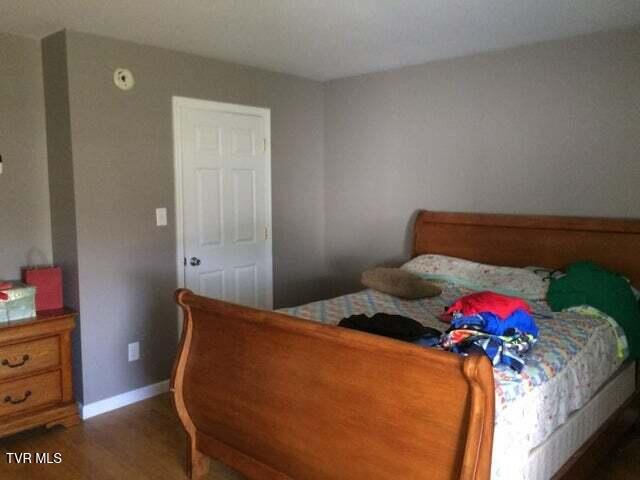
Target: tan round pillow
column 399, row 283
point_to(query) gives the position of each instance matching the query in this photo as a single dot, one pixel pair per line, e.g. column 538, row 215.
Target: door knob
column 195, row 261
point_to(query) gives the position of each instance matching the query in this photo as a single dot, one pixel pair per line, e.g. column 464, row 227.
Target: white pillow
column 513, row 281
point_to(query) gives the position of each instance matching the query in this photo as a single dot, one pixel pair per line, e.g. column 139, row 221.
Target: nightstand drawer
column 23, row 358
column 29, row 393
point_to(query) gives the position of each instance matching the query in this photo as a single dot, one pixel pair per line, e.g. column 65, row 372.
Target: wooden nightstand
column 36, row 386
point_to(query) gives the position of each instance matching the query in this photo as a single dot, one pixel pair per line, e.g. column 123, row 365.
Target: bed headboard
column 521, row 240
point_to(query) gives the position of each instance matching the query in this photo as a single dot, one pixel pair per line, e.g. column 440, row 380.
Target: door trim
column 265, row 114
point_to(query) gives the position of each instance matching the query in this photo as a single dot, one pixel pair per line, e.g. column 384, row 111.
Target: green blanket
column 586, row 283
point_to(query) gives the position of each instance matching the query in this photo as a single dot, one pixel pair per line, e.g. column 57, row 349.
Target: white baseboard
column 124, row 399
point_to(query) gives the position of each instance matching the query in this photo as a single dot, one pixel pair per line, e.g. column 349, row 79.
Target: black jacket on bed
column 393, row 326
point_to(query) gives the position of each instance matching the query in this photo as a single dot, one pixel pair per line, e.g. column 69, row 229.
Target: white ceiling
column 322, row 39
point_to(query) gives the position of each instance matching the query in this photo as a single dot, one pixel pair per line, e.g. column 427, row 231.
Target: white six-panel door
column 223, row 179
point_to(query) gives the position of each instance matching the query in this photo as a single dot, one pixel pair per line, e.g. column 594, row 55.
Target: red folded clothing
column 501, row 305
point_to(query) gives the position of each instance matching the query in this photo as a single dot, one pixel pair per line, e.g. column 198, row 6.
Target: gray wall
column 552, row 128
column 549, row 128
column 25, row 229
column 122, row 151
column 61, row 184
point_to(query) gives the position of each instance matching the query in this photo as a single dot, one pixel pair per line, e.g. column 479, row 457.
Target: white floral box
column 18, row 302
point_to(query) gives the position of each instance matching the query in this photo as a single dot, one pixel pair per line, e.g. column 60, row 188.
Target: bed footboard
column 277, row 397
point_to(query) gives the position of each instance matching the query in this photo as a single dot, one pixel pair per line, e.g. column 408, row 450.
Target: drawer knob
column 6, row 363
column 8, row 398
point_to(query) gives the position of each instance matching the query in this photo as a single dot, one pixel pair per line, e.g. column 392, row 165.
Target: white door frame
column 265, row 113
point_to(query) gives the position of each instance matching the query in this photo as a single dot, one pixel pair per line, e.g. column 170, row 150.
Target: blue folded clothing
column 520, row 320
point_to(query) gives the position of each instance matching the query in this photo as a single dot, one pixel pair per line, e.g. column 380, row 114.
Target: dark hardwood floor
column 623, row 463
column 145, row 442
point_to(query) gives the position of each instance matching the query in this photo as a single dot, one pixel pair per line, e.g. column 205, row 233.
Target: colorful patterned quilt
column 577, row 351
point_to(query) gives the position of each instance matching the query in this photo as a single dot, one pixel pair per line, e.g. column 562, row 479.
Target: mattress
column 575, row 355
column 547, row 458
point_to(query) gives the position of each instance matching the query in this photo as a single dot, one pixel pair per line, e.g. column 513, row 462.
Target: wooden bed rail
column 276, row 397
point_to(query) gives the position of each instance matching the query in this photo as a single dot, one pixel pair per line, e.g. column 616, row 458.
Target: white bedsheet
column 529, row 420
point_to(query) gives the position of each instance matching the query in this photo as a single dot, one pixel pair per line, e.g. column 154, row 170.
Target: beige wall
column 25, row 229
column 122, row 150
column 551, row 128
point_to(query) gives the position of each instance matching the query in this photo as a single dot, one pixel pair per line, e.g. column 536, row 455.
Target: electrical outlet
column 134, row 351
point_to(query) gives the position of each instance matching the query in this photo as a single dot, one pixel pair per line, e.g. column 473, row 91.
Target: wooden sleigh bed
column 277, row 397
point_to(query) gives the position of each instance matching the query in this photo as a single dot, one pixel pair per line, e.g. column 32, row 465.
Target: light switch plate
column 134, row 351
column 161, row 217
